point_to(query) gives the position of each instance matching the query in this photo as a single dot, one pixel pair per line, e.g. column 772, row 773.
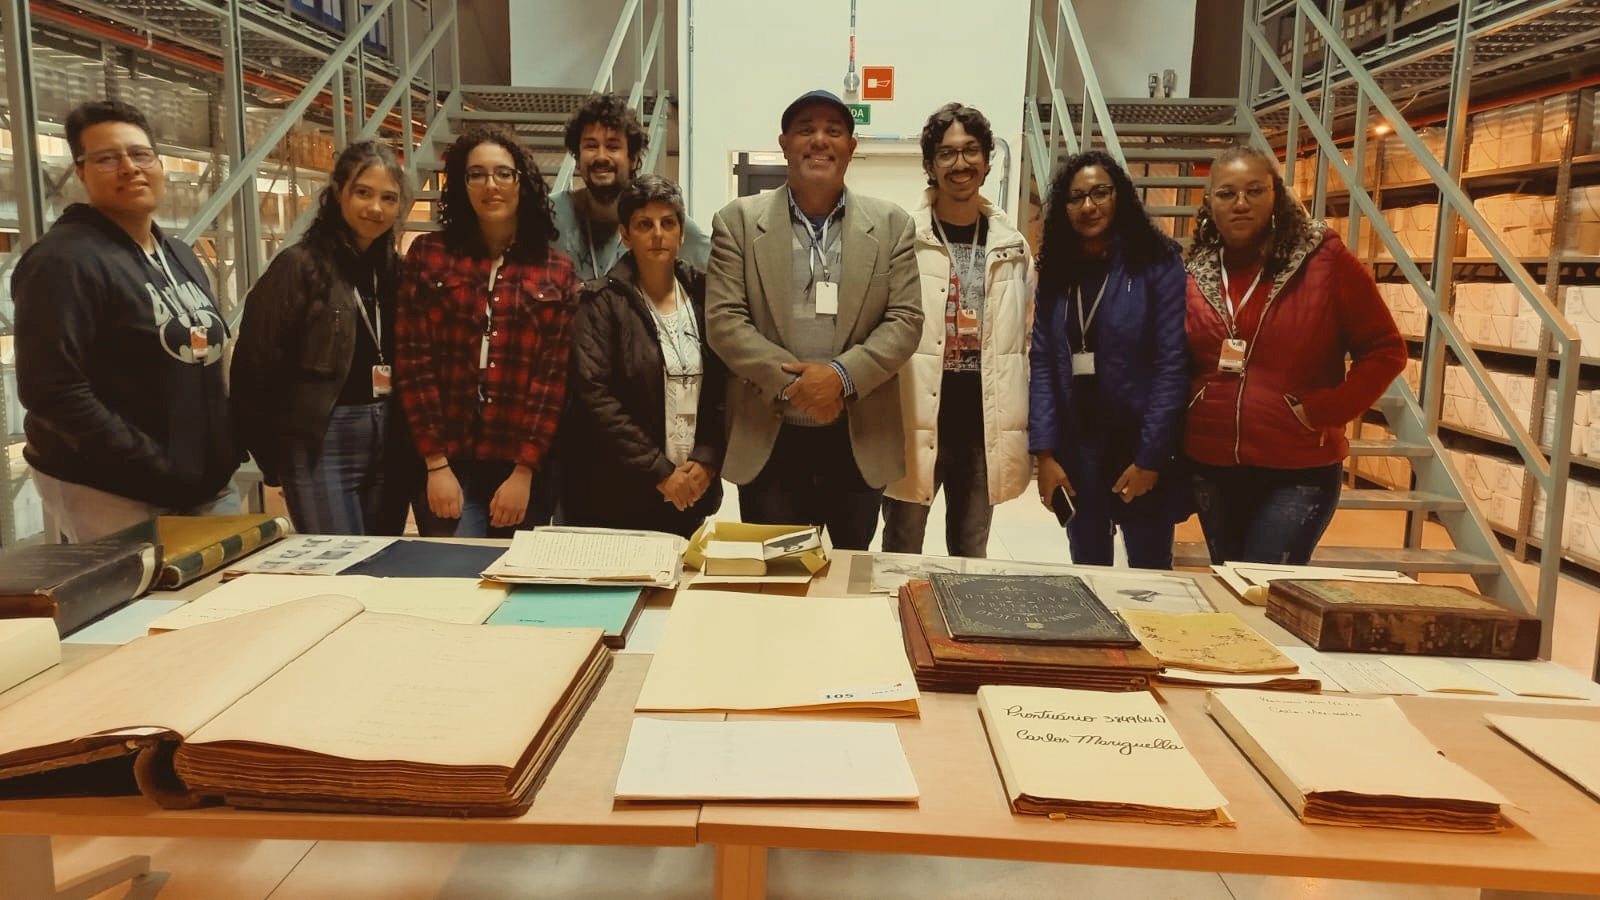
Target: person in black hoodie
column 643, row 436
column 311, row 377
column 119, row 347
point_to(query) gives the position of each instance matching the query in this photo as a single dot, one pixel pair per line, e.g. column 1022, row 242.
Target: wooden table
column 573, row 807
column 964, row 811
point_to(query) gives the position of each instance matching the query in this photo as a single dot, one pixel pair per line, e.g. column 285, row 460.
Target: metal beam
column 18, row 46
column 246, row 209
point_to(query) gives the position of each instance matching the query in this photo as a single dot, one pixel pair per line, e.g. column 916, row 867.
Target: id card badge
column 966, row 320
column 199, row 345
column 1231, row 359
column 827, row 298
column 382, row 381
column 1083, row 363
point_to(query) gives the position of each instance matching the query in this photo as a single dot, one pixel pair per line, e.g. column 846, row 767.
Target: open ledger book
column 316, row 705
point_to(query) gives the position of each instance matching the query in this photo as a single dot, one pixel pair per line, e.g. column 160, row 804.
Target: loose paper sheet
column 1092, row 747
column 1240, row 577
column 465, row 601
column 578, row 555
column 1354, row 673
column 814, row 759
column 725, row 651
column 1442, row 676
column 1531, row 680
column 1214, row 642
column 1566, row 745
column 311, row 554
column 1536, row 678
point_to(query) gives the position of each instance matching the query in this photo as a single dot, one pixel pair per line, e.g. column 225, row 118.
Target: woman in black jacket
column 643, row 437
column 310, row 383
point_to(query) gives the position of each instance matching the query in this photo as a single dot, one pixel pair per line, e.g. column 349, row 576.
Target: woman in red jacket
column 1275, row 304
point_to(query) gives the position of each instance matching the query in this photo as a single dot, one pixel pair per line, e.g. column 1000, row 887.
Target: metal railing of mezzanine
column 650, row 68
column 1047, row 57
column 1548, row 471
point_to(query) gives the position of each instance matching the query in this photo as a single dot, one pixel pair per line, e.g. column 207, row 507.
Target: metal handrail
column 1043, row 149
column 605, row 77
column 1549, row 472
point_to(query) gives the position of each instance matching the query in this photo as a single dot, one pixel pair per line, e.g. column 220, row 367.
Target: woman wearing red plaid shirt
column 481, row 339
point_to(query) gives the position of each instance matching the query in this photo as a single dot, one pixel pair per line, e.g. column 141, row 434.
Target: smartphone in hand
column 1061, row 502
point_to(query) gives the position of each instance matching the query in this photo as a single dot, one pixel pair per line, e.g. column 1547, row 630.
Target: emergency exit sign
column 860, row 113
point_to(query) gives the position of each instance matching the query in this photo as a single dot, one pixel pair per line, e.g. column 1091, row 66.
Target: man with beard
column 606, row 139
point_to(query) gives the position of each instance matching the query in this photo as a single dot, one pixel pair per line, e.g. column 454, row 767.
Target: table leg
column 27, row 866
column 741, row 872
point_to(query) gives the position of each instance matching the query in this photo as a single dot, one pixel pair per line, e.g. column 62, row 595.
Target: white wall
column 1129, row 39
column 559, row 43
column 752, row 57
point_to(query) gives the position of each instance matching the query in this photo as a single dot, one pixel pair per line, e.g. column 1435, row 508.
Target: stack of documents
column 724, row 651
column 942, row 663
column 793, row 760
column 613, row 609
column 1092, row 755
column 590, row 556
column 1349, row 761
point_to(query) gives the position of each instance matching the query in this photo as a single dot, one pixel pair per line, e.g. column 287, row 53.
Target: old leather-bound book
column 1042, row 609
column 1425, row 619
column 941, row 663
column 75, row 583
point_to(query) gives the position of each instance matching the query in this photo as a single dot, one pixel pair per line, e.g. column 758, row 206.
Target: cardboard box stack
column 1585, row 438
column 1494, row 483
column 1401, row 165
column 1494, row 314
column 1581, row 304
column 1555, row 126
column 1584, row 214
column 1503, row 137
column 1415, row 226
column 1409, row 313
column 1580, row 528
column 1525, row 222
column 1390, row 471
column 1466, row 407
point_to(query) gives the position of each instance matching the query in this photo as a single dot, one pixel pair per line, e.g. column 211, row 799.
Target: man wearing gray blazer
column 813, row 303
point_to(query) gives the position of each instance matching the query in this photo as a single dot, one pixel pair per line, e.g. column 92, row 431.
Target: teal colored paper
column 568, row 606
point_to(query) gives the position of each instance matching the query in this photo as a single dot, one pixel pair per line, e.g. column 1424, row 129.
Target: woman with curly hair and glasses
column 1109, row 367
column 310, row 382
column 482, row 337
column 1276, row 302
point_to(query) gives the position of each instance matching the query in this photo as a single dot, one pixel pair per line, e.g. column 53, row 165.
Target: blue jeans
column 1149, row 543
column 338, row 487
column 812, row 479
column 479, row 480
column 1257, row 514
column 963, row 470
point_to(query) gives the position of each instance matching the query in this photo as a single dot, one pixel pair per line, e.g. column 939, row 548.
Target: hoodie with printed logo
column 120, row 364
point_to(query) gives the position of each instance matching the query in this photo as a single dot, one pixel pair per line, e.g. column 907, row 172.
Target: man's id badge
column 1231, row 359
column 198, row 343
column 382, row 381
column 1083, row 363
column 827, row 298
column 966, row 320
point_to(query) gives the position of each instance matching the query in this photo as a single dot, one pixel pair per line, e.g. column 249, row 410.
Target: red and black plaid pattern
column 510, row 410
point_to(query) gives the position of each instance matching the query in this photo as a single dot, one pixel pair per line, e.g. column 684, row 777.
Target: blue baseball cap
column 827, row 98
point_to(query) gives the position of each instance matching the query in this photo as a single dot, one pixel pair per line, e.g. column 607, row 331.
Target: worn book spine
column 184, row 568
column 90, row 592
column 1430, row 632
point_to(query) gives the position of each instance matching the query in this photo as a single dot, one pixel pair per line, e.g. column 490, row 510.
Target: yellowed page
column 27, row 647
column 462, row 601
column 403, row 688
column 1566, row 745
column 176, row 681
column 1447, row 676
column 1092, row 747
column 730, row 651
column 249, row 593
column 811, row 759
column 1328, row 743
column 1531, row 678
column 1213, row 642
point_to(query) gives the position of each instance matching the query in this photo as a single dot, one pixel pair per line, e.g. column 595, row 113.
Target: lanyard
column 819, row 237
column 594, row 258
column 973, row 271
column 1227, row 293
column 1083, row 321
column 671, row 336
column 377, row 316
column 182, row 311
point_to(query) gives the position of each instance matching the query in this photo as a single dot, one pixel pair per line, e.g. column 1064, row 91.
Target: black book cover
column 75, row 583
column 1042, row 609
column 427, row 559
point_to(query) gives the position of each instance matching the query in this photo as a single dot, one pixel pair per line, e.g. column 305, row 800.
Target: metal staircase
column 1167, row 146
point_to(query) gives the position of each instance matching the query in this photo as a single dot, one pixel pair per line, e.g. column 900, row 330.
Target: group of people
column 593, row 358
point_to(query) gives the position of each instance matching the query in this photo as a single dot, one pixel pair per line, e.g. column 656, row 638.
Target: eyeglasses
column 504, row 175
column 946, row 156
column 1100, row 193
column 1253, row 194
column 110, row 160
